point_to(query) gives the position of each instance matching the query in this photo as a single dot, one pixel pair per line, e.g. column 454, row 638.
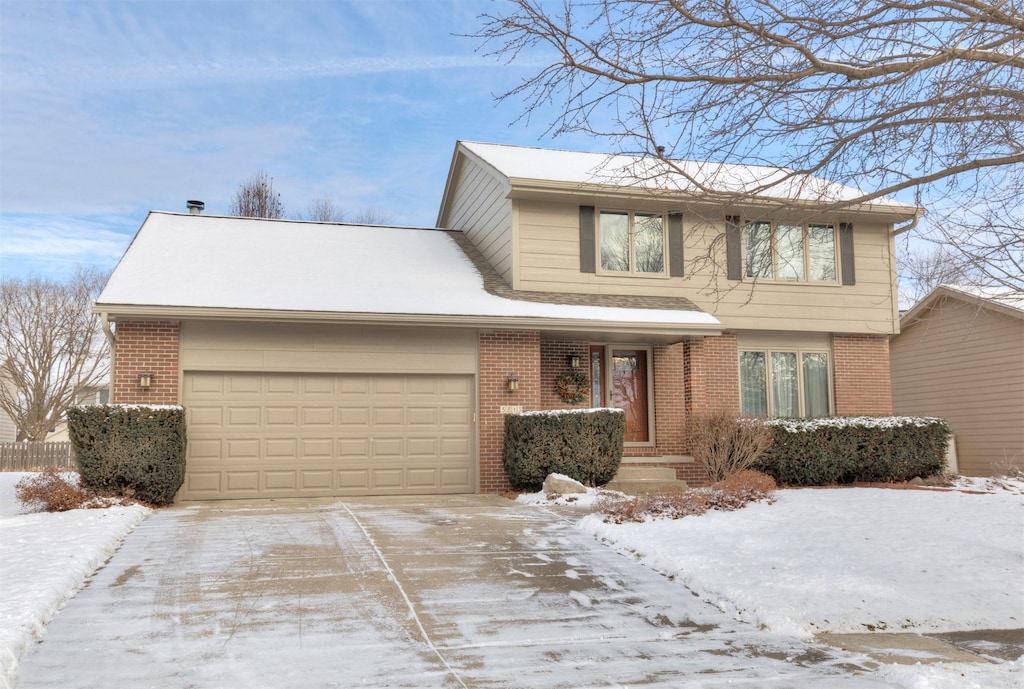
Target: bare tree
column 256, row 198
column 51, row 347
column 322, row 209
column 916, row 98
column 923, row 268
column 372, row 216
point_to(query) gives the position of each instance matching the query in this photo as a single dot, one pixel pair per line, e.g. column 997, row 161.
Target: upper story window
column 787, row 251
column 632, row 243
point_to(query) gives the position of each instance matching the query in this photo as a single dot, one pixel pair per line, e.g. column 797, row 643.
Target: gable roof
column 1006, row 301
column 183, row 265
column 527, row 168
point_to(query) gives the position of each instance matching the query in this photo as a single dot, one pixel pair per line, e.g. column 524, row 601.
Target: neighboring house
column 960, row 356
column 93, row 394
column 319, row 359
column 8, row 429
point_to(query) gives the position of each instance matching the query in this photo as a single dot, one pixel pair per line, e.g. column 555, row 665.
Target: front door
column 626, row 370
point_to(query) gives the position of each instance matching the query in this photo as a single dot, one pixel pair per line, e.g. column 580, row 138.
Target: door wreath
column 573, row 386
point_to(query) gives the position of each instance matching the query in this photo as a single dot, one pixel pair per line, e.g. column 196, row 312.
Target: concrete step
column 649, row 486
column 634, row 480
column 629, row 472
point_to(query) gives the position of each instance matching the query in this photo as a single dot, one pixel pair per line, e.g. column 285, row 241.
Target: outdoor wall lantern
column 145, row 379
column 513, row 382
column 574, row 361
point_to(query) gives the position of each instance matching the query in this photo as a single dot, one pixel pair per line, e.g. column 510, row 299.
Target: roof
column 1007, row 301
column 211, row 266
column 525, row 166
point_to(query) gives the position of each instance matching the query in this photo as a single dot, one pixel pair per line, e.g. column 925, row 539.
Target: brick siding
column 146, row 346
column 501, row 353
column 863, row 382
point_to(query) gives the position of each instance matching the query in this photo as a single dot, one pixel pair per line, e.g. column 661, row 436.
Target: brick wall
column 553, row 363
column 863, row 383
column 146, row 346
column 501, row 353
column 711, row 366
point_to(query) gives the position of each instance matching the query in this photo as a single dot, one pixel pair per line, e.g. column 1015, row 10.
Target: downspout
column 112, row 339
column 896, row 231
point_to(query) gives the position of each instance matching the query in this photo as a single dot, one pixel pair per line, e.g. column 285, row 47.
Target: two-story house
column 321, row 359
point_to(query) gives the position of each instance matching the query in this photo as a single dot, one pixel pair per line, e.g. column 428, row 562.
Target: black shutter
column 733, row 250
column 588, row 251
column 846, row 266
column 675, row 245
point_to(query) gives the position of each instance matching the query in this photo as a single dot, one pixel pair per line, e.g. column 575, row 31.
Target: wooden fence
column 35, row 455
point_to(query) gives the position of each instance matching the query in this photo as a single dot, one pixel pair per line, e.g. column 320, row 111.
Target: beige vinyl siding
column 548, row 248
column 481, row 209
column 219, row 346
column 965, row 363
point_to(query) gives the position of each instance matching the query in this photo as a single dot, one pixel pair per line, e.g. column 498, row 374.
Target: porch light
column 145, row 379
column 574, row 361
column 513, row 382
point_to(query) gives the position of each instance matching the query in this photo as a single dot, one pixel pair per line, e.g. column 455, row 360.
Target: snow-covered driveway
column 469, row 591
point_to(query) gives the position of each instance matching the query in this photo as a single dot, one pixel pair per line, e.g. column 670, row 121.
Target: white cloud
column 54, row 245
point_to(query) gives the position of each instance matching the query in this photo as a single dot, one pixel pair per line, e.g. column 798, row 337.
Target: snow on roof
column 1003, row 296
column 517, row 162
column 202, row 261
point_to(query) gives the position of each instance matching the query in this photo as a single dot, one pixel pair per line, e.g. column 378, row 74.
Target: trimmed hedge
column 584, row 444
column 132, row 450
column 816, row 452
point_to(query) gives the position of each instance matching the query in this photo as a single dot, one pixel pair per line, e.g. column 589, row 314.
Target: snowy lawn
column 44, row 559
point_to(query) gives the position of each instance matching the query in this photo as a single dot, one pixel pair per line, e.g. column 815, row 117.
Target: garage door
column 309, row 435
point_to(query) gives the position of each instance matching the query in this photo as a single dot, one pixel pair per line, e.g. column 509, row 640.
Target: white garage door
column 311, row 435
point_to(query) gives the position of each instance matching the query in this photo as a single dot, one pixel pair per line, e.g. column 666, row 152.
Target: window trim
column 769, row 388
column 773, row 244
column 632, row 272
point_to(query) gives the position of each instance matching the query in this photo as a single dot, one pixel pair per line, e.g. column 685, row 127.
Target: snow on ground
column 846, row 560
column 45, row 558
column 843, row 560
column 852, row 560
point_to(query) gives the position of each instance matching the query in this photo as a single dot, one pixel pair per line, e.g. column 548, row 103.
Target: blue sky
column 111, row 109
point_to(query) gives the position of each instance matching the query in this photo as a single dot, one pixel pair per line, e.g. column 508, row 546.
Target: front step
column 634, row 480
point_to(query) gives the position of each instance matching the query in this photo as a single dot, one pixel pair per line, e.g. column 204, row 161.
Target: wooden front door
column 626, row 387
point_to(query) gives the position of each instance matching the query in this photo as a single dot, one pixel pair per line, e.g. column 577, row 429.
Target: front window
column 632, row 243
column 786, row 251
column 780, row 383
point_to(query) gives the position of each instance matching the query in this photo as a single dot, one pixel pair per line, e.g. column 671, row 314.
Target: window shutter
column 733, row 251
column 588, row 251
column 846, row 265
column 675, row 245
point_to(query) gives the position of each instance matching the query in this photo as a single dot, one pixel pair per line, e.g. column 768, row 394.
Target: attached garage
column 375, row 425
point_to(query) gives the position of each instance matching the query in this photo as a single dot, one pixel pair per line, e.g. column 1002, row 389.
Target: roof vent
column 195, row 207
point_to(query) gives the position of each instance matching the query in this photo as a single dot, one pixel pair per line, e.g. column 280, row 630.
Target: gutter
column 464, row 321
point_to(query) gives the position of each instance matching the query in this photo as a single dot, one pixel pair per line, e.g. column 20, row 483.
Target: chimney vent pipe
column 195, row 207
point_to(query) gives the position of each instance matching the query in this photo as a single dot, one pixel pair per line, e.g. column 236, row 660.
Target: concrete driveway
column 468, row 591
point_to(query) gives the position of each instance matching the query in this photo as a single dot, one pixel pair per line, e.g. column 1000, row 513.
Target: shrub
column 137, row 451
column 585, row 445
column 825, row 451
column 735, row 492
column 724, row 444
column 738, row 489
column 52, row 490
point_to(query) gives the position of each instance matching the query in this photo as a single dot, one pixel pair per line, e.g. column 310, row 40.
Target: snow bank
column 45, row 558
column 846, row 560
